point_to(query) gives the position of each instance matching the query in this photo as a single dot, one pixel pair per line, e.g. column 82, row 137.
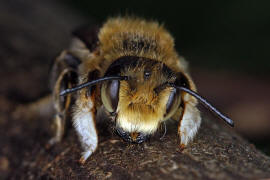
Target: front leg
column 190, row 120
column 84, row 123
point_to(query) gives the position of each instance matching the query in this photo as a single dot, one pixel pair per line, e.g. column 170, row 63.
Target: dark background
column 226, row 35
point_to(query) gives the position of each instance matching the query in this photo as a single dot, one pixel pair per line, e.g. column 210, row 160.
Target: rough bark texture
column 31, row 35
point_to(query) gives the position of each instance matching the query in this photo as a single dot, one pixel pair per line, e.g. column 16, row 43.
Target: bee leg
column 61, row 106
column 42, row 108
column 59, row 129
column 189, row 122
column 84, row 123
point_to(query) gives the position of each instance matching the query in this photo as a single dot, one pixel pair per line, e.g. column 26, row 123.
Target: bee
column 129, row 68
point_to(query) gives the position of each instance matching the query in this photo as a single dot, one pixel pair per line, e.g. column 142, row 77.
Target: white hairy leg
column 84, row 123
column 190, row 122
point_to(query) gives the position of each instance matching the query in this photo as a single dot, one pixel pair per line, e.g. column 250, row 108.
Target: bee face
column 138, row 105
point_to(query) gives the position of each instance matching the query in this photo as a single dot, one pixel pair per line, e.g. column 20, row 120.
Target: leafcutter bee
column 129, row 67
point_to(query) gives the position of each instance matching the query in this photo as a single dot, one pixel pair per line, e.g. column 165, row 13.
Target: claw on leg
column 182, row 147
column 184, row 140
column 85, row 156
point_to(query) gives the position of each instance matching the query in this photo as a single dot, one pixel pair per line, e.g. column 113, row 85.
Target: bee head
column 142, row 93
column 138, row 104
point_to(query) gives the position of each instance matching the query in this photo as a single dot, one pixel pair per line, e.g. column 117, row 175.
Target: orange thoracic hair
column 136, row 37
column 130, row 36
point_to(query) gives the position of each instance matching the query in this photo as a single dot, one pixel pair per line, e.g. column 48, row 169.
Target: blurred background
column 213, row 34
column 225, row 42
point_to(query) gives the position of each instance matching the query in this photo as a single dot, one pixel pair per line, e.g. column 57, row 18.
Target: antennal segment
column 91, row 83
column 205, row 103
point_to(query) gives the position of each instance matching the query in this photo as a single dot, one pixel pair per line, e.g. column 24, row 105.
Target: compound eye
column 172, row 103
column 110, row 95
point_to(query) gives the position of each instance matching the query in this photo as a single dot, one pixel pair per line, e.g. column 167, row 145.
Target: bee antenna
column 91, row 83
column 205, row 103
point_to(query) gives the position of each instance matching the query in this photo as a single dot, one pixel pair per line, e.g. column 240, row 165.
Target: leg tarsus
column 85, row 156
column 59, row 130
column 182, row 147
column 189, row 124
